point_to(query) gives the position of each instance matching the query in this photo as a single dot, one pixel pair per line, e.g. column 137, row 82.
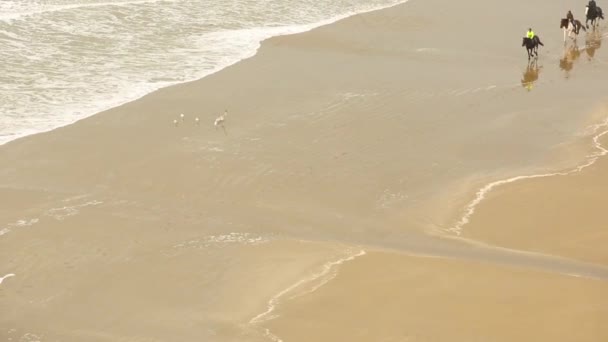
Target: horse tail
column 583, row 27
column 537, row 39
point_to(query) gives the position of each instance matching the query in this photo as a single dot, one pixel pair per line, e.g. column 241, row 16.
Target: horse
column 593, row 15
column 572, row 27
column 532, row 45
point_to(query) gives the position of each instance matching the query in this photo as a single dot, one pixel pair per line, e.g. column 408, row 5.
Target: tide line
column 327, row 268
column 481, row 193
column 6, row 277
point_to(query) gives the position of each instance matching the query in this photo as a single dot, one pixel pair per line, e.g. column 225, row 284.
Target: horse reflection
column 593, row 42
column 566, row 63
column 530, row 76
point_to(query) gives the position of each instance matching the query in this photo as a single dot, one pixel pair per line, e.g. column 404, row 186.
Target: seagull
column 175, row 122
column 196, row 121
column 220, row 119
column 182, row 116
column 6, row 276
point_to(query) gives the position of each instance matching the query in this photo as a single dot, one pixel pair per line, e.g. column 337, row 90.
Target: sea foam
column 66, row 60
column 597, row 131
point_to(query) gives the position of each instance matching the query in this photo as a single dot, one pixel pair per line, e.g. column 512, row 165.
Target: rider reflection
column 566, row 63
column 593, row 42
column 530, row 76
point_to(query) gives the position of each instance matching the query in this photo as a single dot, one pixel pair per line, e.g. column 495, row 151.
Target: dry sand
column 559, row 215
column 392, row 297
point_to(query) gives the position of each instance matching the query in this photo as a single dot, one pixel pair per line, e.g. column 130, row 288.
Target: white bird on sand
column 220, row 119
column 175, row 122
column 196, row 121
column 182, row 116
column 6, row 276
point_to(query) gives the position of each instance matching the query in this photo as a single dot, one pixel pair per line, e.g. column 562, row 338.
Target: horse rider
column 591, row 7
column 533, row 37
column 570, row 17
column 530, row 34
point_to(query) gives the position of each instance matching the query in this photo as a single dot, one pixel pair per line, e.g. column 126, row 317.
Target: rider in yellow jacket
column 530, row 34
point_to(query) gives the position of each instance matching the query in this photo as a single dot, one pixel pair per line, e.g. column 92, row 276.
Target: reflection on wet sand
column 566, row 63
column 592, row 43
column 530, row 76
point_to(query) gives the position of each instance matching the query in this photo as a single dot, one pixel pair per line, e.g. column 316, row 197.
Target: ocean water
column 63, row 60
column 185, row 267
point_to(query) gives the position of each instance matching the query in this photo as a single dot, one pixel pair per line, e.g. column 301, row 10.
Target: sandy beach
column 571, row 223
column 429, row 299
column 370, row 134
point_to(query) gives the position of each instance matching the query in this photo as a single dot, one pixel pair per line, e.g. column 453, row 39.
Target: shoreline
column 480, row 195
column 409, row 297
column 326, row 269
column 281, row 32
column 569, row 223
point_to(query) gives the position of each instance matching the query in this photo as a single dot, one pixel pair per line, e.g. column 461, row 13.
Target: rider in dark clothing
column 592, row 6
column 570, row 16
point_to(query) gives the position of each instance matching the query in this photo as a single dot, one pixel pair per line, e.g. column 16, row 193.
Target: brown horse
column 571, row 27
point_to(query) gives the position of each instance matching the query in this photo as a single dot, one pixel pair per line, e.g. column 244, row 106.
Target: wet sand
column 368, row 134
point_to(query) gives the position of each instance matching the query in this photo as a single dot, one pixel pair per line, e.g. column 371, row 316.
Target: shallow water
column 63, row 60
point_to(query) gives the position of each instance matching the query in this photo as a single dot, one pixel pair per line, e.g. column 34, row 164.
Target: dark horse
column 532, row 45
column 571, row 26
column 594, row 14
